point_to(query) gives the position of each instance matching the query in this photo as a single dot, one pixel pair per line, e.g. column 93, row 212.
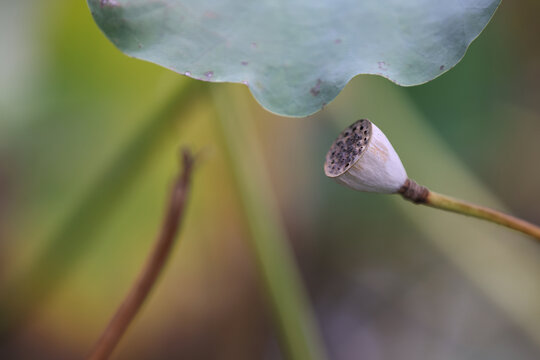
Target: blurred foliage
column 388, row 280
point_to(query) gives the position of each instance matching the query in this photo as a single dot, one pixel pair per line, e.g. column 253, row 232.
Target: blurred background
column 89, row 143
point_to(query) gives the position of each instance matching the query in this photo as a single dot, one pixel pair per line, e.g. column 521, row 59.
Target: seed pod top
column 362, row 158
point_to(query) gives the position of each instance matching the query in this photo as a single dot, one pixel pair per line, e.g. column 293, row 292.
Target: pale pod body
column 363, row 159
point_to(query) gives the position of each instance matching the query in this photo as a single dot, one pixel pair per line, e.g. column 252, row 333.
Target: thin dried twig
column 153, row 267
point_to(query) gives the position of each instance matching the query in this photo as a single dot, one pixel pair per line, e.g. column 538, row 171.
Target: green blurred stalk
column 298, row 333
column 79, row 230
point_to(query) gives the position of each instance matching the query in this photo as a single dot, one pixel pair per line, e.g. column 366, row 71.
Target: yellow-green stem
column 297, row 331
column 448, row 203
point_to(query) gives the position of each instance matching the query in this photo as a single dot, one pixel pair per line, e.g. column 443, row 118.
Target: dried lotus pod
column 363, row 159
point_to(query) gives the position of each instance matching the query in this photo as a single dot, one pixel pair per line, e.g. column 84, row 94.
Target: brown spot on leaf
column 244, row 63
column 317, row 88
column 109, row 3
column 210, row 14
column 442, row 67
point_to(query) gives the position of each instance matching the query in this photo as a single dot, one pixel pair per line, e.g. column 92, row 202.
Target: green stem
column 444, row 202
column 421, row 195
column 298, row 334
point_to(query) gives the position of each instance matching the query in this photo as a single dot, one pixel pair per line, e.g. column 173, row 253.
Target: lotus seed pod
column 363, row 159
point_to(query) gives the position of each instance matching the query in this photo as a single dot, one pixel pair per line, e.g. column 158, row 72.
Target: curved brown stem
column 421, row 195
column 153, row 267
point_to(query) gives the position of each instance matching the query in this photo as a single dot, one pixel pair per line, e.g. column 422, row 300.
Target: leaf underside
column 296, row 56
